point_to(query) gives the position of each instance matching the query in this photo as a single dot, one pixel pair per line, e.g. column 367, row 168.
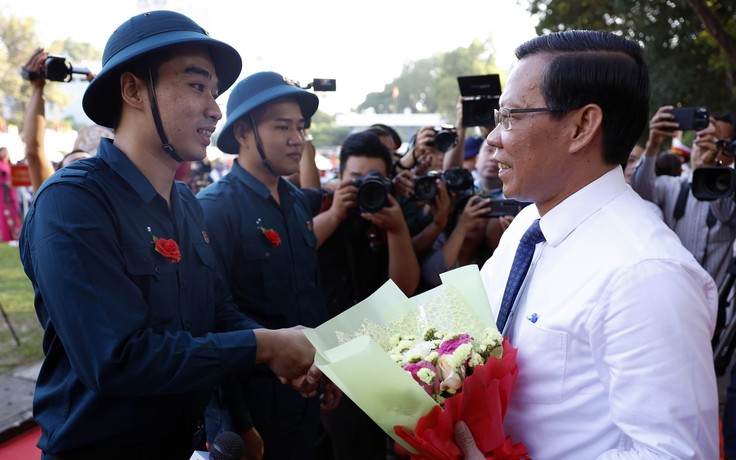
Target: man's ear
column 133, row 90
column 240, row 131
column 587, row 123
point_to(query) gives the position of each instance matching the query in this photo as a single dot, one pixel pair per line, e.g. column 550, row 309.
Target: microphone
column 226, row 446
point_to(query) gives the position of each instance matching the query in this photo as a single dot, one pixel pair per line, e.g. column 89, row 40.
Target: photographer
column 428, row 148
column 706, row 228
column 359, row 250
column 34, row 123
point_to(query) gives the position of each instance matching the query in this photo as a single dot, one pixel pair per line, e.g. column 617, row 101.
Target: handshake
column 290, row 355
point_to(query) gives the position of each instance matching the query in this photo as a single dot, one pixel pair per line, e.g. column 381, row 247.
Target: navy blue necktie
column 522, row 261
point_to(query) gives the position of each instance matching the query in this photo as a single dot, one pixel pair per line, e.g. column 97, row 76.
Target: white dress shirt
column 613, row 327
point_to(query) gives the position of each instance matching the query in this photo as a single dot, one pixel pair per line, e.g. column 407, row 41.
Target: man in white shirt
column 614, row 319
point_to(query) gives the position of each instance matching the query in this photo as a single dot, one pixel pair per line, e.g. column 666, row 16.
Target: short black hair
column 596, row 67
column 364, row 144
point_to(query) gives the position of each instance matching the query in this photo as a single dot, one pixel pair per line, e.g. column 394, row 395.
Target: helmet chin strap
column 259, row 146
column 168, row 148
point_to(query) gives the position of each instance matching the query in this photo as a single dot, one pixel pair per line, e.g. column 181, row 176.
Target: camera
column 690, row 118
column 726, row 146
column 456, row 179
column 713, row 183
column 55, row 68
column 317, row 84
column 373, row 191
column 479, row 98
column 445, row 137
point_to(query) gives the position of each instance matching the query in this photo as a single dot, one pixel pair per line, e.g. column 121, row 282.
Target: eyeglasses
column 502, row 116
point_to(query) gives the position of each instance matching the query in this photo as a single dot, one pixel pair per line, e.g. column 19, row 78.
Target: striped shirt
column 711, row 245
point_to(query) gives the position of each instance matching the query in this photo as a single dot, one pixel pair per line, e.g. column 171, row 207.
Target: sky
column 363, row 45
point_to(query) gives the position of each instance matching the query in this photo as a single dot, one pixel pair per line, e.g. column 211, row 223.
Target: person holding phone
column 706, row 228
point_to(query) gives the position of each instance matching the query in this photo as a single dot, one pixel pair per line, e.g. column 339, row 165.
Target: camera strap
column 679, row 210
column 168, row 148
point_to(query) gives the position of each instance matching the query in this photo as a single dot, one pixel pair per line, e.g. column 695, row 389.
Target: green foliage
column 430, row 85
column 16, row 297
column 325, row 131
column 687, row 67
column 19, row 40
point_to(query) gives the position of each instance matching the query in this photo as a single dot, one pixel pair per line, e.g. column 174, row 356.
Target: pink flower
column 415, row 369
column 449, row 346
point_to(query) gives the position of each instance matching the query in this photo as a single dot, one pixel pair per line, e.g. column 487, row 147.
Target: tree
column 19, row 39
column 430, row 85
column 689, row 46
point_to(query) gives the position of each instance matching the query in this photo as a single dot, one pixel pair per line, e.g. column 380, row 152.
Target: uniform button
column 158, row 269
column 268, row 253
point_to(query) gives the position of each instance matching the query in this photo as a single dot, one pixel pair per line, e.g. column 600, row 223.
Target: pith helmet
column 255, row 91
column 143, row 34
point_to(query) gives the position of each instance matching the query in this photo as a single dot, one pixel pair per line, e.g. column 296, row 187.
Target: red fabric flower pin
column 167, row 248
column 271, row 235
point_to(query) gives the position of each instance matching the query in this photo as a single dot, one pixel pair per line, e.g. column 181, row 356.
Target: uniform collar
column 121, row 164
column 250, row 180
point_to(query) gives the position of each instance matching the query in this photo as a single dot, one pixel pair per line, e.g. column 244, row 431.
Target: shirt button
column 268, row 253
column 157, row 269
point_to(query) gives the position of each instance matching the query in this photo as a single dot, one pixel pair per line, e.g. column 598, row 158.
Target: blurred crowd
column 409, row 210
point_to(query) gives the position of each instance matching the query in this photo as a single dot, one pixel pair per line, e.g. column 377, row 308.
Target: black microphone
column 227, row 446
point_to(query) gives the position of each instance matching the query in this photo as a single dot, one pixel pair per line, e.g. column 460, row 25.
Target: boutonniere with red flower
column 271, row 235
column 167, row 248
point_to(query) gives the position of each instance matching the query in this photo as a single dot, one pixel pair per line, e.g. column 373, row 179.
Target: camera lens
column 425, row 188
column 711, row 183
column 372, row 196
column 458, row 178
column 445, row 140
column 373, row 190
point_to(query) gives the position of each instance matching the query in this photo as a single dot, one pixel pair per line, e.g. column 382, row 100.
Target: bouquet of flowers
column 388, row 355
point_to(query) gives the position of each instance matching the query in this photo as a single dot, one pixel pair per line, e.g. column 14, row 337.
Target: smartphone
column 498, row 208
column 690, row 118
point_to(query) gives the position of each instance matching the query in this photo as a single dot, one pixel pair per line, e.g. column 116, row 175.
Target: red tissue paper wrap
column 481, row 405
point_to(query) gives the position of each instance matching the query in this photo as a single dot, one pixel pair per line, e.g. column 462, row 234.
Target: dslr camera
column 479, row 97
column 373, row 191
column 712, row 183
column 55, row 68
column 456, row 179
column 445, row 137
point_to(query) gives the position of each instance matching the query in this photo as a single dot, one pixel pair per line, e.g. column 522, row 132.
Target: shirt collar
column 121, row 164
column 249, row 180
column 561, row 220
column 285, row 190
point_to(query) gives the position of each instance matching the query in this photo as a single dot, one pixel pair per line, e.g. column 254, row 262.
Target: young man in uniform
column 138, row 327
